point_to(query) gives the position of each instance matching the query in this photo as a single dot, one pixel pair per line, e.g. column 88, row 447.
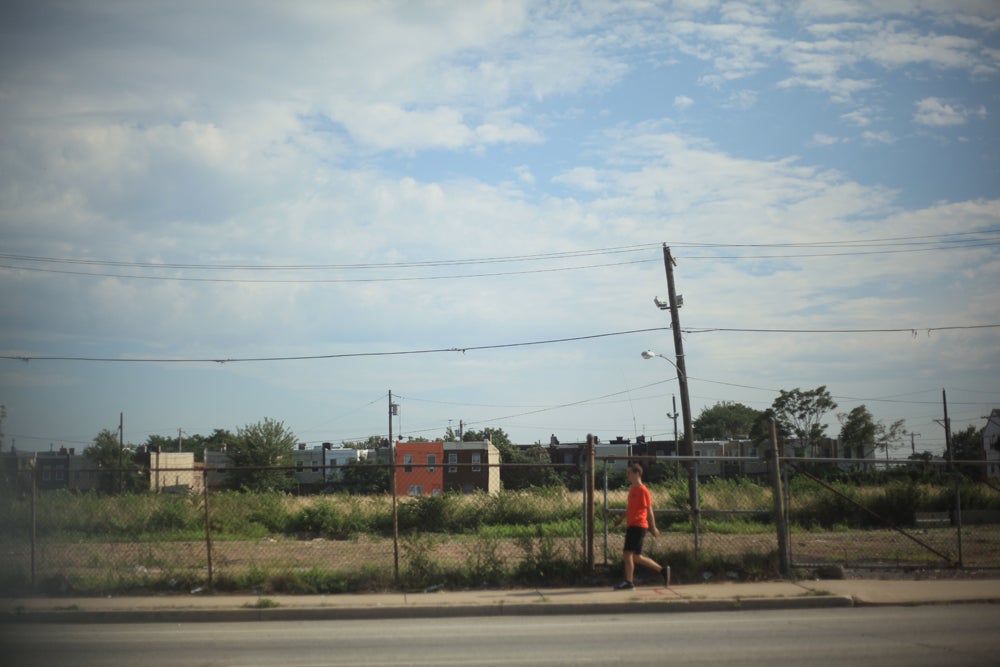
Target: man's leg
column 629, row 559
column 646, row 561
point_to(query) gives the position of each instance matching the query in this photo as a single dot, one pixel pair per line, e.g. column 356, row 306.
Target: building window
column 476, row 460
column 435, row 492
column 452, row 461
column 298, row 466
column 431, row 462
column 416, row 490
column 315, row 466
column 408, row 463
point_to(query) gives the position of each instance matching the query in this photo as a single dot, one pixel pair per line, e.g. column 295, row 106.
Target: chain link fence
column 892, row 514
column 717, row 519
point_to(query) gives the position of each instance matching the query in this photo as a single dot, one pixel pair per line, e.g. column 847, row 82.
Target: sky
column 216, row 213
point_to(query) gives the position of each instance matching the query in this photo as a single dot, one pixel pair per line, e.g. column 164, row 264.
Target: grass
column 262, row 603
column 278, row 543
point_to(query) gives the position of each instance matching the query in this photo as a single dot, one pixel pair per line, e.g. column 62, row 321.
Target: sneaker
column 625, row 586
column 665, row 573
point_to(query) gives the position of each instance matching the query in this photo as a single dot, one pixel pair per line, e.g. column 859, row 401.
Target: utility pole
column 392, row 482
column 682, row 376
column 913, row 446
column 673, row 415
column 180, row 442
column 947, row 431
column 121, row 451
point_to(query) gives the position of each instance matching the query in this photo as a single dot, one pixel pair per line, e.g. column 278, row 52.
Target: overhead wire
column 924, row 243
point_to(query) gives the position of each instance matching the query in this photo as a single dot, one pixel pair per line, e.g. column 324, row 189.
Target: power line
column 345, row 355
column 471, row 348
column 322, row 280
column 926, row 243
column 911, row 330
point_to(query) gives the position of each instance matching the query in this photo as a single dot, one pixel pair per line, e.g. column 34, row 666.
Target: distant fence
column 806, row 514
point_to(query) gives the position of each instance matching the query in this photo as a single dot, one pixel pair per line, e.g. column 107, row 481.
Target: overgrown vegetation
column 130, row 543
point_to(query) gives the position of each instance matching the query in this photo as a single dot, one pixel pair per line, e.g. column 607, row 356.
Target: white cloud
column 346, row 139
column 682, row 102
column 884, row 137
column 860, row 117
column 822, row 139
column 936, row 112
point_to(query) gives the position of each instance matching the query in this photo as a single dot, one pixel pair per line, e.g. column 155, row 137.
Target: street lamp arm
column 649, row 354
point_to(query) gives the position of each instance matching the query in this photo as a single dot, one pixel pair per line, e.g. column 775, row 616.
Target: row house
column 431, row 468
column 64, row 469
column 313, row 465
column 172, row 472
column 616, row 453
column 50, row 469
column 319, row 465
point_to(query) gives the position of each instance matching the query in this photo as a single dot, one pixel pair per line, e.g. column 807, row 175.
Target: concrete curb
column 242, row 615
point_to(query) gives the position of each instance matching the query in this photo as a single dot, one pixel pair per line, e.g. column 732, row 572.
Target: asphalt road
column 952, row 635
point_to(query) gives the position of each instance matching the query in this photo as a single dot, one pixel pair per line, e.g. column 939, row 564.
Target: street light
column 649, row 354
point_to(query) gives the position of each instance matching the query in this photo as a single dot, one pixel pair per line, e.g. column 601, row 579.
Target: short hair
column 635, row 467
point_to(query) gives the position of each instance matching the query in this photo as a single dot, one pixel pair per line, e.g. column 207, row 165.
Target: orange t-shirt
column 639, row 502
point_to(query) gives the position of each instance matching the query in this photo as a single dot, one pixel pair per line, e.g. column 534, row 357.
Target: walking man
column 639, row 518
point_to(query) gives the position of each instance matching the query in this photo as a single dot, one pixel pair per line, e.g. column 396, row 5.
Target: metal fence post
column 605, row 511
column 34, row 494
column 695, row 505
column 958, row 515
column 589, row 508
column 208, row 527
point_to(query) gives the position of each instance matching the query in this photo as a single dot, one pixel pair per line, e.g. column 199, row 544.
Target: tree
column 886, row 436
column 857, row 431
column 221, row 440
column 373, row 442
column 364, row 478
column 118, row 470
column 258, row 454
column 861, row 433
column 725, row 420
column 800, row 414
column 967, row 445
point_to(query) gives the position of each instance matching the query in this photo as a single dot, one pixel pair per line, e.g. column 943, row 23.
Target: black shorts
column 633, row 539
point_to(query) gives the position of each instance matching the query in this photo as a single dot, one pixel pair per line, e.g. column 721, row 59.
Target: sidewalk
column 807, row 594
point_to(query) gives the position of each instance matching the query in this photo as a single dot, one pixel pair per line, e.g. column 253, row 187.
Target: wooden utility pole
column 947, row 431
column 780, row 522
column 675, row 325
column 395, row 508
column 121, row 452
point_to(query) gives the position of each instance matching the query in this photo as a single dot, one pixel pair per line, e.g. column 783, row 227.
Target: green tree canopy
column 967, row 445
column 373, row 442
column 857, row 429
column 726, row 420
column 364, row 477
column 860, row 431
column 258, row 454
column 800, row 413
column 118, row 470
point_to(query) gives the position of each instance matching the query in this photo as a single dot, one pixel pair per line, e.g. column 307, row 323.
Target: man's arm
column 651, row 517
